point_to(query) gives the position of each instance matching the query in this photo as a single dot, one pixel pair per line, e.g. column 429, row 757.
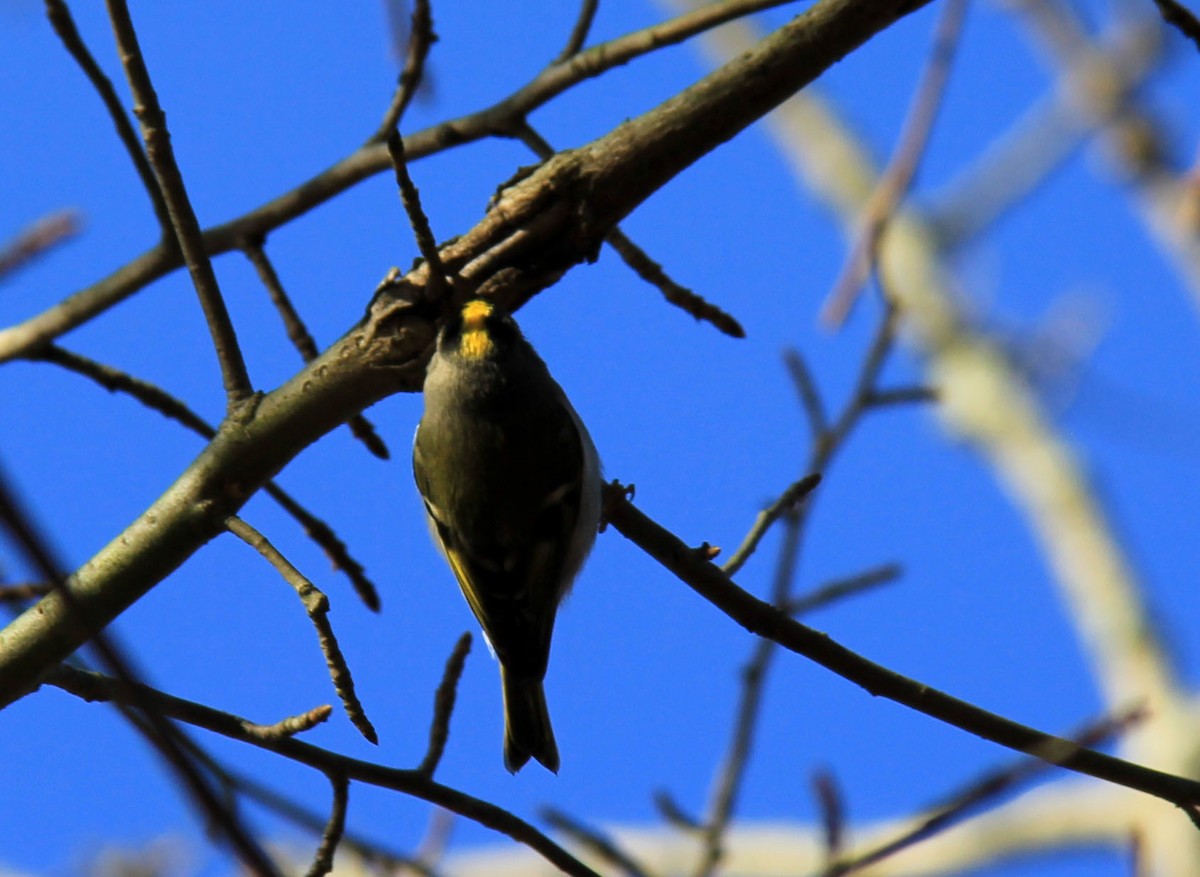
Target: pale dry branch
column 36, row 239
column 981, row 399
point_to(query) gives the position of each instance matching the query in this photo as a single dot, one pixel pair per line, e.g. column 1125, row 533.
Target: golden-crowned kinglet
column 511, row 484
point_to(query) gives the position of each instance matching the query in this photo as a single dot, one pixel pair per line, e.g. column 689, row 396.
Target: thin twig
column 367, row 161
column 292, row 725
column 24, row 591
column 727, row 784
column 138, row 709
column 902, row 396
column 368, row 849
column 68, row 35
column 158, row 399
column 411, row 199
column 639, row 261
column 595, row 841
column 322, row 862
column 183, row 224
column 896, row 179
column 810, row 396
column 839, row 589
column 1021, row 159
column 1181, row 18
column 334, row 548
column 987, row 788
column 865, row 389
column 302, row 339
column 443, row 705
column 420, row 39
column 764, row 620
column 687, row 300
column 293, row 324
column 787, row 501
column 433, row 845
column 826, row 440
column 97, row 687
column 674, row 814
column 316, row 604
column 36, row 239
column 833, row 812
column 579, row 33
column 116, row 381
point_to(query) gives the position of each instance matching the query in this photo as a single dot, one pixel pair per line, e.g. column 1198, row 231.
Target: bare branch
column 443, row 705
column 300, row 337
column 316, row 604
column 411, row 199
column 370, row 160
column 96, row 687
column 902, row 396
column 641, row 263
column 810, row 396
column 292, row 725
column 24, row 592
column 839, row 589
column 896, row 179
column 116, row 381
column 322, row 862
column 156, row 729
column 764, row 620
column 160, row 400
column 1181, row 18
column 183, row 225
column 962, row 803
column 34, row 240
column 674, row 814
column 833, row 811
column 285, row 807
column 579, row 33
column 681, row 297
column 334, row 548
column 594, row 841
column 68, row 34
column 420, row 40
column 787, row 502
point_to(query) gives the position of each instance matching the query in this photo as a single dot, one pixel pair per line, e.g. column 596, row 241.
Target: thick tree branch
column 535, row 231
column 861, row 19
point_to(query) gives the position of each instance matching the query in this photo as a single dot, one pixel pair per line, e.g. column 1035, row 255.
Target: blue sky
column 261, row 96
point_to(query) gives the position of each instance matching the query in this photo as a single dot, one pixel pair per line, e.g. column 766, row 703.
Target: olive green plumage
column 511, row 485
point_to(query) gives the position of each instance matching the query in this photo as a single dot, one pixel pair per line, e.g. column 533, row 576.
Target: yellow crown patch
column 476, row 342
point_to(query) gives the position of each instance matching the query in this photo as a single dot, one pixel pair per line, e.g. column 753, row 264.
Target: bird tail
column 527, row 731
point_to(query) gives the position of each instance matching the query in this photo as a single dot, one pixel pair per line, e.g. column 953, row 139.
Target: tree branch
column 183, row 226
column 97, row 687
column 535, row 232
column 764, row 620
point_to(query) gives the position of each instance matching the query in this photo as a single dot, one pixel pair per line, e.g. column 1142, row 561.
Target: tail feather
column 527, row 731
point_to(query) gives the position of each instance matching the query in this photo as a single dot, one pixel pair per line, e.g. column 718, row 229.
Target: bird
column 511, row 484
